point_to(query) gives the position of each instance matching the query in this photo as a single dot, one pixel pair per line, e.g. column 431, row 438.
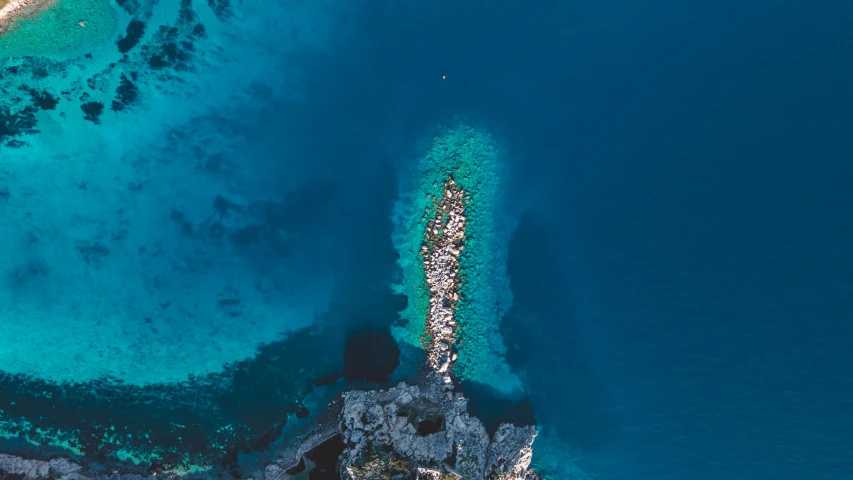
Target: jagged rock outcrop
column 510, row 453
column 426, row 432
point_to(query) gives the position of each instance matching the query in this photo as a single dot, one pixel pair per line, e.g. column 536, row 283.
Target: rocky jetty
column 424, row 431
column 443, row 243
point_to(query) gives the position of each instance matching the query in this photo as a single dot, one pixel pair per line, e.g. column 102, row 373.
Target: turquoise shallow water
column 211, row 207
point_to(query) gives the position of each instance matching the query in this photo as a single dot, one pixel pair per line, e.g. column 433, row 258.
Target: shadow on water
column 370, row 355
column 493, row 408
column 545, row 342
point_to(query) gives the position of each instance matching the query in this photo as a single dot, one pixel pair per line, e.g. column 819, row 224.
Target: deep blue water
column 698, row 189
column 683, row 277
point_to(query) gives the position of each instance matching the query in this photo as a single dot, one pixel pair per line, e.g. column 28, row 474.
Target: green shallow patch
column 68, row 29
column 469, row 154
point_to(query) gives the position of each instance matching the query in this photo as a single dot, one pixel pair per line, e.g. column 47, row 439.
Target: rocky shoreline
column 14, row 10
column 419, row 431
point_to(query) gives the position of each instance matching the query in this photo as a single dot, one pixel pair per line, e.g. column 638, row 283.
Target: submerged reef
column 460, row 170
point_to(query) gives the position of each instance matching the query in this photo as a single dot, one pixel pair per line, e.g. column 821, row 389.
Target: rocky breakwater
column 443, row 243
column 424, row 431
